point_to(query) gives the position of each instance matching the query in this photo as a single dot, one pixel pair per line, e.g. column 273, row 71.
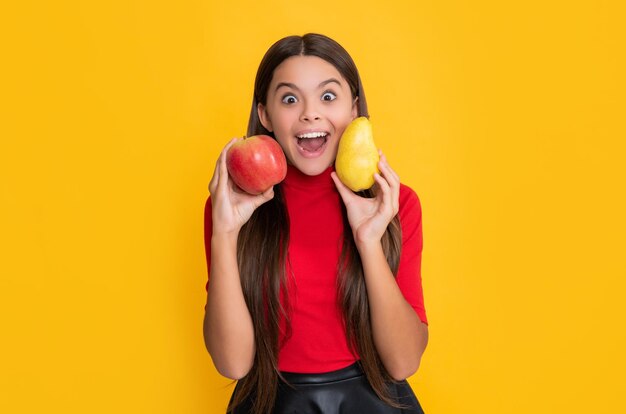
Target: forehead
column 306, row 72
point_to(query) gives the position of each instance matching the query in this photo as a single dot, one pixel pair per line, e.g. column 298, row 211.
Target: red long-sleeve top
column 318, row 343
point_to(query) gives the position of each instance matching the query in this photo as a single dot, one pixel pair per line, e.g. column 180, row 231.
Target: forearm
column 228, row 329
column 399, row 335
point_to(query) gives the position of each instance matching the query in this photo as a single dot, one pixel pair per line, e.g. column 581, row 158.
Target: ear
column 355, row 108
column 264, row 117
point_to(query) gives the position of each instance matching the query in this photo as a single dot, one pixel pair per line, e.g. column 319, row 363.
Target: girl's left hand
column 369, row 217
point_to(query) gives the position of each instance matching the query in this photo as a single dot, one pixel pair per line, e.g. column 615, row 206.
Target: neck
column 296, row 178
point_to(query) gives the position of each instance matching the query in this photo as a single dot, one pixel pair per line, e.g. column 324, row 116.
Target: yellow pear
column 357, row 156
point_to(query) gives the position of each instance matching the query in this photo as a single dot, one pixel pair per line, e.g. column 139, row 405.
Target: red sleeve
column 208, row 229
column 409, row 277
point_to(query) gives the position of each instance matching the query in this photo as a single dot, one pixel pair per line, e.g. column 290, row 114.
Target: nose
column 310, row 113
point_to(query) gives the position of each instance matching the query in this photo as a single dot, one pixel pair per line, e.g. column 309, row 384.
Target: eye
column 289, row 99
column 329, row 96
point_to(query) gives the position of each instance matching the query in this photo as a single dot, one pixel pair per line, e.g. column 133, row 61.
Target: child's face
column 309, row 105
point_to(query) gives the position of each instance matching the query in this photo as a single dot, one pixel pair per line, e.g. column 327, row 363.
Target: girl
column 314, row 297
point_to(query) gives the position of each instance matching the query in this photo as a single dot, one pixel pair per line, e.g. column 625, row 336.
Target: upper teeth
column 312, row 135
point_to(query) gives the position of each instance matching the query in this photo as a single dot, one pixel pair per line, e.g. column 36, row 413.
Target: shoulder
column 207, row 208
column 409, row 201
column 208, row 220
column 410, row 215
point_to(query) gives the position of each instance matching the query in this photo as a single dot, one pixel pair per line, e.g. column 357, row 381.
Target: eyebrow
column 293, row 86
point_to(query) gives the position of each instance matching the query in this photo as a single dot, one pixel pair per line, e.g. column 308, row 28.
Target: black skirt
column 343, row 391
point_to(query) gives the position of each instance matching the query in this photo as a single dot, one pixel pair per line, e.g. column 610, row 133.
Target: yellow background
column 507, row 118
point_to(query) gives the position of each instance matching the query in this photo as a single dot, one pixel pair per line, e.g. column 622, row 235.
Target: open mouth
column 312, row 141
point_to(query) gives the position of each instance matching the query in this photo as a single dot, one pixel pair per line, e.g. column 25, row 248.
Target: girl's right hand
column 231, row 207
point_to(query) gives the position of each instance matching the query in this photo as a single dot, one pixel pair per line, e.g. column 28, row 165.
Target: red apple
column 256, row 163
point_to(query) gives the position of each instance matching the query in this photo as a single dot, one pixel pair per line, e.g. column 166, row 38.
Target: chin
column 312, row 168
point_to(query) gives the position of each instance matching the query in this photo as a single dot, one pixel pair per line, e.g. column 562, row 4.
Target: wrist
column 368, row 247
column 224, row 239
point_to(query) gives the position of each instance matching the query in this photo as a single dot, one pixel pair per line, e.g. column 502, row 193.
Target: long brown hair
column 263, row 242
